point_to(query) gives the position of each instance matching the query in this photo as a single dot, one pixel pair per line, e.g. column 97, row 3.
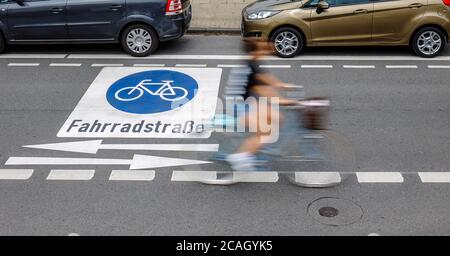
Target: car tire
column 433, row 47
column 139, row 40
column 284, row 47
column 2, row 43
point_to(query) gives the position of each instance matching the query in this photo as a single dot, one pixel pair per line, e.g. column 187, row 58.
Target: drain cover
column 335, row 211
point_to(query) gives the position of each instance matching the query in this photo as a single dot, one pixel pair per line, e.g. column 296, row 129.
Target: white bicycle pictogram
column 166, row 91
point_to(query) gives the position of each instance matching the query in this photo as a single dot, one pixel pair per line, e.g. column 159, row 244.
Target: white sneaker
column 242, row 162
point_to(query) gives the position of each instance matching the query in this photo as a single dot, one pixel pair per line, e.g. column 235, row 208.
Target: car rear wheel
column 139, row 40
column 288, row 42
column 2, row 43
column 428, row 42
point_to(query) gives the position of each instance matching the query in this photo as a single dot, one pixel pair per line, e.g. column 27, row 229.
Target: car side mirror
column 321, row 6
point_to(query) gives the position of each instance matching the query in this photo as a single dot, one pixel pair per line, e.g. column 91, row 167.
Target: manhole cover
column 335, row 211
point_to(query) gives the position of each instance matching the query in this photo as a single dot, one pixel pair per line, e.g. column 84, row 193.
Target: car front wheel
column 428, row 42
column 139, row 40
column 288, row 42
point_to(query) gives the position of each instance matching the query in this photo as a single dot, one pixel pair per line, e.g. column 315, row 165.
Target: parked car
column 424, row 25
column 139, row 25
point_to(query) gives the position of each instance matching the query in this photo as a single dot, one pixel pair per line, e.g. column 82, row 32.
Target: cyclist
column 259, row 84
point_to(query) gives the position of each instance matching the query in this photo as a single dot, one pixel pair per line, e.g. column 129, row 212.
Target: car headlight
column 261, row 15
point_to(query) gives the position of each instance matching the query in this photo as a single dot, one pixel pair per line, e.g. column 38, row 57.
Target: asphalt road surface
column 391, row 106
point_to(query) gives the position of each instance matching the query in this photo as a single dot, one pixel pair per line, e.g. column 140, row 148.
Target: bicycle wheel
column 319, row 159
column 179, row 94
column 129, row 94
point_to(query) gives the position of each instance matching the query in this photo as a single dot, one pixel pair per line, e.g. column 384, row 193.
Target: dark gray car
column 139, row 25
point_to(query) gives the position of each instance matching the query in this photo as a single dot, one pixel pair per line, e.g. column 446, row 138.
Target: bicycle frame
column 165, row 84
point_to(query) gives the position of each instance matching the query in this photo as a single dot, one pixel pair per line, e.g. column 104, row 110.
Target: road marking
column 275, row 66
column 191, row 65
column 246, row 57
column 317, row 66
column 73, row 234
column 93, row 146
column 71, row 175
column 317, row 178
column 149, row 65
column 65, row 64
column 24, row 64
column 19, row 174
column 199, row 176
column 435, row 177
column 106, row 65
column 400, row 66
column 379, row 177
column 438, row 66
column 127, row 175
column 231, row 66
column 359, row 66
column 32, row 56
column 138, row 162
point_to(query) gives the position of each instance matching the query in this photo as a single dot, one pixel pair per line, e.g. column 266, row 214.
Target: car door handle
column 57, row 10
column 415, row 5
column 115, row 7
column 360, row 11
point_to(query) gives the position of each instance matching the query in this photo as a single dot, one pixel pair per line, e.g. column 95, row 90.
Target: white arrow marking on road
column 92, row 147
column 138, row 161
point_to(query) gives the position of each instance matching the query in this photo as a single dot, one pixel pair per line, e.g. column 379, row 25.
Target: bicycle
column 323, row 154
column 165, row 92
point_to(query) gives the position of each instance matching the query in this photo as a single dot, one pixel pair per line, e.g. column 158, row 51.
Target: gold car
column 424, row 25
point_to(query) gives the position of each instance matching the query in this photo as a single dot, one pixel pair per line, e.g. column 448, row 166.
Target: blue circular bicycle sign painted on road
column 152, row 92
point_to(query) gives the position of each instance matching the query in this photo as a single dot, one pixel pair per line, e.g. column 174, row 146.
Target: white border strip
column 24, row 64
column 149, row 65
column 380, row 177
column 231, row 66
column 248, row 177
column 19, row 174
column 245, row 57
column 359, row 66
column 401, row 66
column 65, row 64
column 191, row 65
column 106, row 65
column 32, row 56
column 275, row 66
column 71, row 175
column 435, row 177
column 439, row 66
column 317, row 66
column 128, row 175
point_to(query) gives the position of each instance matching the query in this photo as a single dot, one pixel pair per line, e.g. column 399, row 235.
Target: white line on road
column 191, row 65
column 19, row 174
column 245, row 57
column 317, row 178
column 275, row 66
column 106, row 65
column 149, row 65
column 230, row 66
column 401, row 66
column 199, row 176
column 359, row 66
column 33, row 56
column 379, row 177
column 65, row 64
column 127, row 175
column 71, row 175
column 438, row 66
column 317, row 66
column 24, row 64
column 435, row 177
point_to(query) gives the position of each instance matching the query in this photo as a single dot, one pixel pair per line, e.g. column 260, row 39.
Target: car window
column 314, row 3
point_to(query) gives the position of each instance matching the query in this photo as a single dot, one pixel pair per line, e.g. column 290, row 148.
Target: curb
column 207, row 30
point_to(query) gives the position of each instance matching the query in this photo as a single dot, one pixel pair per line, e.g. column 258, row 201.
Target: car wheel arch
column 305, row 40
column 436, row 26
column 132, row 23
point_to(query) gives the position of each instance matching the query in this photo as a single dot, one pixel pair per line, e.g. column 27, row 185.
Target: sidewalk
column 217, row 15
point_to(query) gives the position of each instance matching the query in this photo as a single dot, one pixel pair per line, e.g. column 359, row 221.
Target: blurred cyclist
column 259, row 83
